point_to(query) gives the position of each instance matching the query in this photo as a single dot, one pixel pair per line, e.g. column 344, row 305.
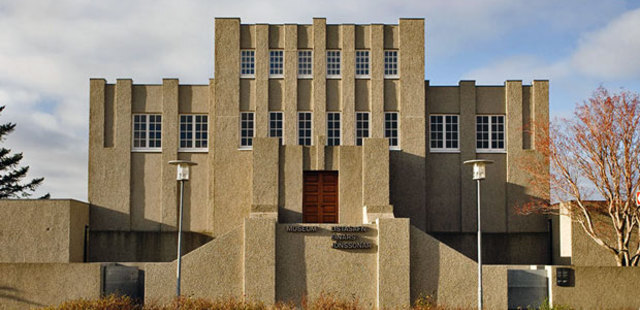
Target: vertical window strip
column 139, row 131
column 247, row 63
column 333, row 128
column 362, row 127
column 186, row 131
column 362, row 64
column 436, row 132
column 305, row 64
column 202, row 131
column 391, row 64
column 333, row 64
column 391, row 129
column 246, row 130
column 497, row 132
column 304, row 128
column 451, row 132
column 155, row 131
column 275, row 125
column 276, row 63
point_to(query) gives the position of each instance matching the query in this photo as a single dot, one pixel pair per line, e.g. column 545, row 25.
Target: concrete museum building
column 325, row 163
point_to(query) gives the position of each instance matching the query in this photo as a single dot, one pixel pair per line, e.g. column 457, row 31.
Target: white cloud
column 611, row 52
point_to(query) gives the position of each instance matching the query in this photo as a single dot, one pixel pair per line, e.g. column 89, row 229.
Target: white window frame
column 397, row 130
column 445, row 133
column 359, row 130
column 334, row 69
column 310, row 128
column 194, row 132
column 276, row 64
column 281, row 129
column 147, row 132
column 305, row 63
column 251, row 127
column 490, row 133
column 391, row 64
column 362, row 63
column 339, row 128
column 248, row 63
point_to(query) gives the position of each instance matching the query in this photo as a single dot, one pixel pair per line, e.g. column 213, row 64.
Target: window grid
column 305, row 64
column 147, row 131
column 275, row 125
column 362, row 126
column 362, row 64
column 246, row 130
column 390, row 64
column 194, row 132
column 444, row 133
column 333, row 128
column 276, row 63
column 490, row 132
column 304, row 128
column 391, row 129
column 333, row 64
column 247, row 63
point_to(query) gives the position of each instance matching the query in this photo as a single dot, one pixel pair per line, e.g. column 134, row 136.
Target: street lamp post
column 478, row 175
column 182, row 176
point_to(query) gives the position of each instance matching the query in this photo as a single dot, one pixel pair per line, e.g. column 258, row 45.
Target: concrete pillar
column 169, row 152
column 348, row 83
column 265, row 172
column 376, row 95
column 319, row 80
column 375, row 172
column 292, row 182
column 259, row 260
column 262, row 81
column 467, row 136
column 290, row 84
column 350, row 185
column 393, row 263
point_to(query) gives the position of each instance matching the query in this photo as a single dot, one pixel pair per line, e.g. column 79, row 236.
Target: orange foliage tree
column 594, row 155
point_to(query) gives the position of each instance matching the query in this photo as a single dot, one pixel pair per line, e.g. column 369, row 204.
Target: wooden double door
column 320, row 197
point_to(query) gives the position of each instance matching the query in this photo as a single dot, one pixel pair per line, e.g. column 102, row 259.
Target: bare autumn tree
column 594, row 155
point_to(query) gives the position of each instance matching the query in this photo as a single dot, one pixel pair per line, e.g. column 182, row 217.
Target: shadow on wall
column 137, row 246
column 12, row 294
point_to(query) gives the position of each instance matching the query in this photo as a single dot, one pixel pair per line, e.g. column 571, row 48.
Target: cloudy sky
column 50, row 49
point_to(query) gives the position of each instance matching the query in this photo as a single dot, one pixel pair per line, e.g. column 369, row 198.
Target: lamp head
column 183, row 168
column 478, row 167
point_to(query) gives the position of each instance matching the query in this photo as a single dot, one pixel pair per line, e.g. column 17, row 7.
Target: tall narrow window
column 391, row 129
column 362, row 64
column 247, row 63
column 246, row 130
column 333, row 128
column 275, row 125
column 490, row 133
column 305, row 64
column 390, row 64
column 333, row 64
column 304, row 128
column 276, row 63
column 443, row 133
column 362, row 126
column 194, row 133
column 147, row 132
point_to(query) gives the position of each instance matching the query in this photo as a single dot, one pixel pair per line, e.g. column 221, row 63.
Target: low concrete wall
column 140, row 246
column 451, row 278
column 26, row 285
column 212, row 271
column 42, row 231
column 598, row 288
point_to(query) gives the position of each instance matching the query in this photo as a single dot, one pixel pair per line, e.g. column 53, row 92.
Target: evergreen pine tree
column 11, row 174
